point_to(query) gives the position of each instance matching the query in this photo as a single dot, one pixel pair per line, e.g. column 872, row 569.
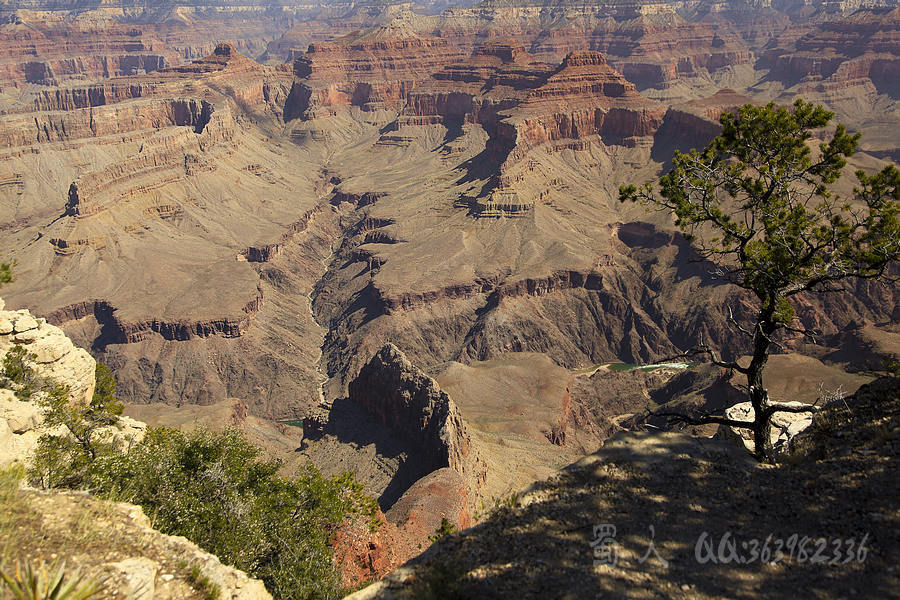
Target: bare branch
column 739, row 327
column 805, row 332
column 704, row 419
column 713, row 356
column 777, row 408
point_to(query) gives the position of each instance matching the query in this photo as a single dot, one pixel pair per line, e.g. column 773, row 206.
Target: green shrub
column 18, row 375
column 203, row 583
column 893, row 368
column 6, row 275
column 214, row 489
column 64, row 460
column 447, row 528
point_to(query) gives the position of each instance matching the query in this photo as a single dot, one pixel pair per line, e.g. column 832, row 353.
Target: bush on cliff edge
column 213, row 488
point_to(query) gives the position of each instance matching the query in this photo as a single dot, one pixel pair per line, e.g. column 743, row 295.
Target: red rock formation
column 862, row 46
column 46, row 47
column 363, row 556
column 496, row 77
column 371, row 69
column 584, row 97
column 42, row 48
column 653, row 52
column 648, row 42
column 522, row 103
column 413, row 406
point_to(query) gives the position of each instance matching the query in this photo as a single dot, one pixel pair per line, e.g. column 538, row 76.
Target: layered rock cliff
column 522, row 103
column 863, row 45
column 655, row 45
column 119, row 168
column 585, row 96
column 412, row 404
column 50, row 45
column 372, row 69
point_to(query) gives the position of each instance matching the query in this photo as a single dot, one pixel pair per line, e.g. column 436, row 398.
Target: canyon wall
column 372, row 69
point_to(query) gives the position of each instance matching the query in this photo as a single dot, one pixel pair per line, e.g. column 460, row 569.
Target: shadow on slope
column 351, row 424
column 842, row 484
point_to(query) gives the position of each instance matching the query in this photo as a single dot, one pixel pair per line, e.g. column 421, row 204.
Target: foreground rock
column 114, row 543
column 785, row 426
column 645, row 517
column 55, row 356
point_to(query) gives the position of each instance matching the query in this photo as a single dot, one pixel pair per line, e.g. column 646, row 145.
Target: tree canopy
column 759, row 202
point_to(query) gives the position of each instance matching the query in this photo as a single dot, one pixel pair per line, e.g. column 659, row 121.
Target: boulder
column 55, row 356
column 785, row 425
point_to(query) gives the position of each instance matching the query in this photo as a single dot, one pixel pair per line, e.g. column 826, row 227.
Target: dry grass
column 88, row 533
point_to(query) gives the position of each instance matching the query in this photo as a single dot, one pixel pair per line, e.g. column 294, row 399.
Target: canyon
column 398, row 225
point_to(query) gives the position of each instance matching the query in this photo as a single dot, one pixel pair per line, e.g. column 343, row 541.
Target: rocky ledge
column 115, row 543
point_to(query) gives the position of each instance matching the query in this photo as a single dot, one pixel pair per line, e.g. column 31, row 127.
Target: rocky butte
column 372, row 69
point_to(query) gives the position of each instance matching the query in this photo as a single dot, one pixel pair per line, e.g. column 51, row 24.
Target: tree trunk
column 759, row 395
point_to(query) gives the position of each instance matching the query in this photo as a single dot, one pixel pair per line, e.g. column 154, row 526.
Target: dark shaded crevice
column 297, row 102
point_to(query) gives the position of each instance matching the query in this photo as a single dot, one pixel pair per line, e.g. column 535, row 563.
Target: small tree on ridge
column 756, row 202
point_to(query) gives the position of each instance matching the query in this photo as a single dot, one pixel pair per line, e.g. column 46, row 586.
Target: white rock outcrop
column 20, row 427
column 785, row 425
column 56, row 358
